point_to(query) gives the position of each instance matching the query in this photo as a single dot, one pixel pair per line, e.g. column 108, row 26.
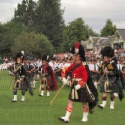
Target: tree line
column 39, row 28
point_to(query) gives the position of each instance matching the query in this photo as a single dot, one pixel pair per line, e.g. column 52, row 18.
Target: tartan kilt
column 109, row 85
column 52, row 83
column 23, row 85
column 81, row 95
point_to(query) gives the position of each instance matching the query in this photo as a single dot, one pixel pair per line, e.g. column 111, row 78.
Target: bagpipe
column 17, row 68
column 92, row 91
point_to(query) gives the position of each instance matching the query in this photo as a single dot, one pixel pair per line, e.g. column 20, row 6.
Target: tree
column 50, row 21
column 109, row 29
column 44, row 17
column 90, row 32
column 26, row 13
column 76, row 30
column 3, row 43
column 8, row 34
column 31, row 43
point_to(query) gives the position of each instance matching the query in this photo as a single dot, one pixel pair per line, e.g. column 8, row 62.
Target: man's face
column 106, row 59
column 94, row 61
column 76, row 57
column 27, row 61
column 44, row 62
column 118, row 62
column 19, row 60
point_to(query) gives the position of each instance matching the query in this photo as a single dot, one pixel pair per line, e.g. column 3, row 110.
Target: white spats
column 102, row 105
column 23, row 98
column 66, row 117
column 14, row 99
column 85, row 117
column 48, row 93
column 42, row 93
column 112, row 104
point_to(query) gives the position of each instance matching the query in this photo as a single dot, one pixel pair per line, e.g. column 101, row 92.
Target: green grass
column 37, row 110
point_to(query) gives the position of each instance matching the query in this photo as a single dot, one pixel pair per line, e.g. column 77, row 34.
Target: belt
column 76, row 79
column 22, row 76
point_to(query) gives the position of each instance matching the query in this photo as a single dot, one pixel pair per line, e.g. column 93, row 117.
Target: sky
column 93, row 12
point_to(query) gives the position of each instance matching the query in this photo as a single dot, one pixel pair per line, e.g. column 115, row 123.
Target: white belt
column 76, row 79
column 22, row 76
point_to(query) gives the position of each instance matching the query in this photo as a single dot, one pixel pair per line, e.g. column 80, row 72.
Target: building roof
column 105, row 42
column 122, row 33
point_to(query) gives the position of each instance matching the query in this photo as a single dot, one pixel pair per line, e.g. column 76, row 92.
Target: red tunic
column 79, row 72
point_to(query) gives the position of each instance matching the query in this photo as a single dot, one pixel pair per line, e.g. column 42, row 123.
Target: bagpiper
column 30, row 70
column 21, row 81
column 80, row 90
column 48, row 80
column 109, row 73
column 94, row 71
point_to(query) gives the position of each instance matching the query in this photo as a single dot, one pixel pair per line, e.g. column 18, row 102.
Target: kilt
column 21, row 85
column 109, row 85
column 81, row 95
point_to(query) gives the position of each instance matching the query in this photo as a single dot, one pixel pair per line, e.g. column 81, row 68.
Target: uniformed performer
column 94, row 71
column 123, row 76
column 30, row 71
column 21, row 81
column 48, row 80
column 109, row 73
column 119, row 80
column 80, row 91
column 35, row 73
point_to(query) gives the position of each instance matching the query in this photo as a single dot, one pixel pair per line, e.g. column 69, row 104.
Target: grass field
column 37, row 110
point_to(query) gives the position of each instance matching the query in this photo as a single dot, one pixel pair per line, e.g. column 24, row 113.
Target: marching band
column 85, row 78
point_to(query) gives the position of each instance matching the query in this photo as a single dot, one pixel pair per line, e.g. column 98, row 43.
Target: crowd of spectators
column 90, row 55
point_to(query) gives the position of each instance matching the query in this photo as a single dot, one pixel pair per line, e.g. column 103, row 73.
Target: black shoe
column 61, row 119
column 99, row 106
column 91, row 111
column 14, row 101
column 40, row 95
